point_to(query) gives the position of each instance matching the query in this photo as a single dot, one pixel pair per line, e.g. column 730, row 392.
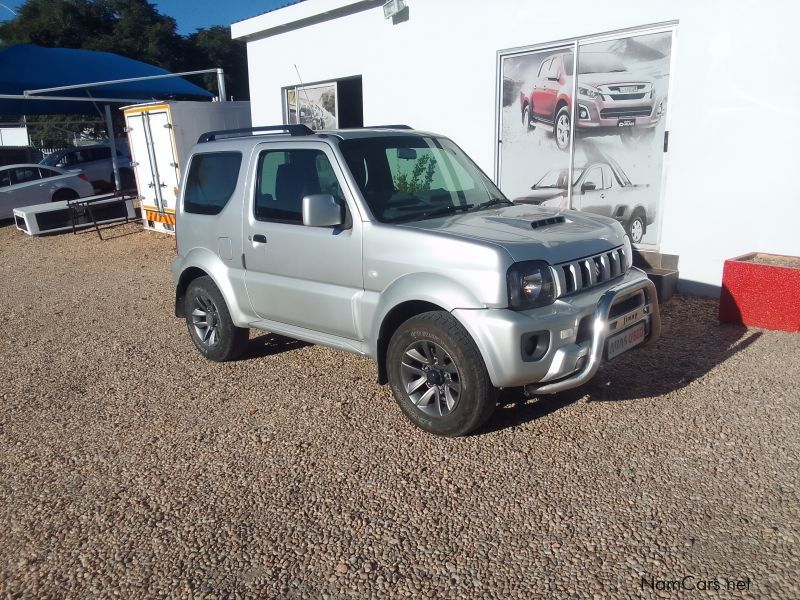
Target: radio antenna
column 303, row 87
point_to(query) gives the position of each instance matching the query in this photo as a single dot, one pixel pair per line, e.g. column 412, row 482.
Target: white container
column 161, row 136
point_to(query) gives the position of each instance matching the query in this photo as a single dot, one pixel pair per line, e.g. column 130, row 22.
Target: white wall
column 734, row 124
column 13, row 136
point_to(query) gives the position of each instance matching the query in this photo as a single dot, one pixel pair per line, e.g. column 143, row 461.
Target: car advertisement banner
column 614, row 132
column 312, row 105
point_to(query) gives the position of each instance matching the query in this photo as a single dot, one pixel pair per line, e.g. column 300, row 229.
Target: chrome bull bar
column 600, row 332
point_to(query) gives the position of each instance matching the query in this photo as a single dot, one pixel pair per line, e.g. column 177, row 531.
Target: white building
column 717, row 78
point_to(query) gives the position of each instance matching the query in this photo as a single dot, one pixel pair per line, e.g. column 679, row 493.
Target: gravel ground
column 131, row 467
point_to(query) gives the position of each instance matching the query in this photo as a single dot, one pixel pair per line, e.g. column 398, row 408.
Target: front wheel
column 561, row 128
column 438, row 376
column 209, row 321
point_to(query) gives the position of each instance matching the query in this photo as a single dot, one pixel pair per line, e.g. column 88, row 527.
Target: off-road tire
column 229, row 341
column 478, row 397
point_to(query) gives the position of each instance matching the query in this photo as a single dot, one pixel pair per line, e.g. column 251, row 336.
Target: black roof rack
column 210, row 136
column 388, row 127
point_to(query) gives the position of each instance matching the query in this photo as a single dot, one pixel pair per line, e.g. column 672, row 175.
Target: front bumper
column 595, row 114
column 576, row 327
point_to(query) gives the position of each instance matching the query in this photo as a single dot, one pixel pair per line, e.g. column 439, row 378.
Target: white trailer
column 161, row 135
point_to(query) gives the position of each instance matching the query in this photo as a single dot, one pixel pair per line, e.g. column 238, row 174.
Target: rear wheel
column 526, row 118
column 64, row 194
column 561, row 128
column 209, row 322
column 637, row 227
column 438, row 376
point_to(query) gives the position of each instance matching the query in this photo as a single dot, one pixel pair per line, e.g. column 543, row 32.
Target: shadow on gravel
column 691, row 344
column 270, row 344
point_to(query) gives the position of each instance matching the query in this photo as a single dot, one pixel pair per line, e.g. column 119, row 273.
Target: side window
column 285, row 176
column 210, row 182
column 555, row 68
column 5, row 178
column 594, row 176
column 544, row 68
column 45, row 173
column 24, row 174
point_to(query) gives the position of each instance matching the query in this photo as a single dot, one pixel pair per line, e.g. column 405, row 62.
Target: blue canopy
column 29, row 67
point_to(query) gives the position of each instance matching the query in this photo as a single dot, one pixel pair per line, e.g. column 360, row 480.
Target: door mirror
column 588, row 186
column 322, row 210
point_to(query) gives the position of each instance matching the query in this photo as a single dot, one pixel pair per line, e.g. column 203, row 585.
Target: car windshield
column 595, row 62
column 51, row 159
column 557, row 178
column 408, row 178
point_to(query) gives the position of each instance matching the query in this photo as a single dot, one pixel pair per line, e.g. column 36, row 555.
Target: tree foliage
column 132, row 28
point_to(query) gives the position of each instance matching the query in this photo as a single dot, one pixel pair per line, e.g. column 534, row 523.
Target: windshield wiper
column 427, row 214
column 492, row 202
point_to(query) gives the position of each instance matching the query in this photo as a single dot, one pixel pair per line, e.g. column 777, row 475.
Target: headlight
column 588, row 92
column 627, row 250
column 530, row 285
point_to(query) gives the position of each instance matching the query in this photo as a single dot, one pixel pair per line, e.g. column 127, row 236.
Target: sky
column 191, row 14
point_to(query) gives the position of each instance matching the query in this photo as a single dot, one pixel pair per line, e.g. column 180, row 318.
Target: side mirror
column 322, row 210
column 588, row 186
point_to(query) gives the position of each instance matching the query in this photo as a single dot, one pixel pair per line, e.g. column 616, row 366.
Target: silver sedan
column 24, row 185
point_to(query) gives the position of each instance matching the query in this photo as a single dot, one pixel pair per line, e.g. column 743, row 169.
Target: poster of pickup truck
column 599, row 186
column 613, row 115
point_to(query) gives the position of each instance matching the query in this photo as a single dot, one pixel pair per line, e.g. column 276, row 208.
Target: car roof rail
column 388, row 127
column 210, row 136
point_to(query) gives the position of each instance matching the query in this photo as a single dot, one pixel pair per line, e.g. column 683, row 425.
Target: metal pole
column 221, row 85
column 113, row 81
column 113, row 143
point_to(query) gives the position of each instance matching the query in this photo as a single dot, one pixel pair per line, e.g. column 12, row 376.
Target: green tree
column 132, row 28
column 213, row 47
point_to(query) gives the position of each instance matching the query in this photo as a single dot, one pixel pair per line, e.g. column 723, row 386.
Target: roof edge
column 298, row 15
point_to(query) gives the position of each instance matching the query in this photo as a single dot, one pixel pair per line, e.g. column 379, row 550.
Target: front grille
column 628, row 111
column 636, row 96
column 578, row 275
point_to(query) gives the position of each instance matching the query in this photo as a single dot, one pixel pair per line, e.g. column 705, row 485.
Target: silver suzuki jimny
column 391, row 243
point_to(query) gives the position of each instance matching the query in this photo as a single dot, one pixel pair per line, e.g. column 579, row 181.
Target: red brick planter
column 762, row 290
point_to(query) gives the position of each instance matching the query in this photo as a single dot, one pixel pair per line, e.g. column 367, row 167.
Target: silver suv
column 391, row 243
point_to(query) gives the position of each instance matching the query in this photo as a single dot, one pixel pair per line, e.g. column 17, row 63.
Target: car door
column 6, row 195
column 591, row 195
column 540, row 88
column 308, row 277
column 26, row 182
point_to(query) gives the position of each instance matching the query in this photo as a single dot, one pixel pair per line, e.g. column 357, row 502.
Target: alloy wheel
column 562, row 131
column 431, row 378
column 206, row 320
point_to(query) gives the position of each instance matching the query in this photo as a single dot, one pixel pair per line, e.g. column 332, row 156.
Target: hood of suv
column 596, row 79
column 526, row 232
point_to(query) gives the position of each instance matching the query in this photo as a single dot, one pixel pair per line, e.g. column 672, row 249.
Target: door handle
column 259, row 238
column 602, row 195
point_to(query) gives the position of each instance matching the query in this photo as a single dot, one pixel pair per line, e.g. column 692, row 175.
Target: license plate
column 626, row 123
column 626, row 340
column 629, row 89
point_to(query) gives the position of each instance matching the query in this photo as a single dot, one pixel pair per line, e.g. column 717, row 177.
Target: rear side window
column 5, row 178
column 24, row 174
column 210, row 183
